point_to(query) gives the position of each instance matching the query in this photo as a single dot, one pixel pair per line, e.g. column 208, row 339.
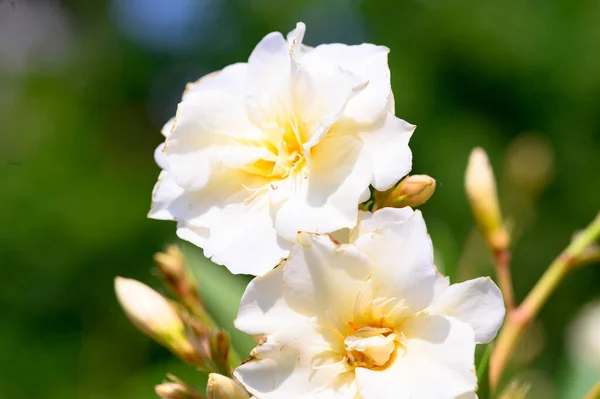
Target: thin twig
column 521, row 317
column 502, row 261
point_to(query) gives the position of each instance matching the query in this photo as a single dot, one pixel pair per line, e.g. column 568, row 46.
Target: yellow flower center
column 286, row 156
column 370, row 347
column 373, row 337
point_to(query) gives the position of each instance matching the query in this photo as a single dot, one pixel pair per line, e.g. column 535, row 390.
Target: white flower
column 372, row 319
column 287, row 142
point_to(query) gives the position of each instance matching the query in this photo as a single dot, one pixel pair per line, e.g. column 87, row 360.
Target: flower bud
column 177, row 389
column 153, row 314
column 480, row 185
column 221, row 387
column 219, row 345
column 412, row 191
column 212, row 345
column 171, row 266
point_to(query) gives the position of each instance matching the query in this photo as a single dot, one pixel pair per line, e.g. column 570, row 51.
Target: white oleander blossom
column 287, row 142
column 369, row 319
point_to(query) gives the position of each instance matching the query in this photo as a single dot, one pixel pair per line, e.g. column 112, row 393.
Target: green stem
column 484, row 361
column 234, row 359
column 588, row 258
column 502, row 261
column 520, row 318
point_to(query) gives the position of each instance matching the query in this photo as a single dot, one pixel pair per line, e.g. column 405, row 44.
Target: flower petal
column 228, row 219
column 296, row 36
column 320, row 94
column 268, row 80
column 369, row 222
column 324, row 279
column 211, row 129
column 367, row 61
column 402, row 255
column 263, row 309
column 477, row 302
column 437, row 363
column 468, row 395
column 166, row 129
column 244, row 242
column 283, row 365
column 231, row 80
column 160, row 158
column 326, row 200
column 165, row 193
column 276, row 371
column 386, row 148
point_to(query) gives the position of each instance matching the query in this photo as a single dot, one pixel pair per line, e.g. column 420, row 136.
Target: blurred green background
column 85, row 87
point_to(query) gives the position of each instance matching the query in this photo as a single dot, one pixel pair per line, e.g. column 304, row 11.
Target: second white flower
column 371, row 319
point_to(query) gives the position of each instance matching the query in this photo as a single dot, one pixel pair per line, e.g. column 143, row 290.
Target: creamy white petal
column 477, row 302
column 468, row 395
column 201, row 207
column 245, row 242
column 366, row 194
column 196, row 235
column 207, row 133
column 372, row 221
column 279, row 371
column 323, row 278
column 327, row 199
column 287, row 363
column 320, row 94
column 231, row 80
column 268, row 83
column 243, row 239
column 296, row 36
column 365, row 60
column 166, row 130
column 263, row 309
column 165, row 192
column 386, row 147
column 226, row 218
column 160, row 157
column 437, row 364
column 402, row 255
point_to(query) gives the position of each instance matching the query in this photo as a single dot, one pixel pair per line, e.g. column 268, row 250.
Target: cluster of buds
column 411, row 191
column 182, row 326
